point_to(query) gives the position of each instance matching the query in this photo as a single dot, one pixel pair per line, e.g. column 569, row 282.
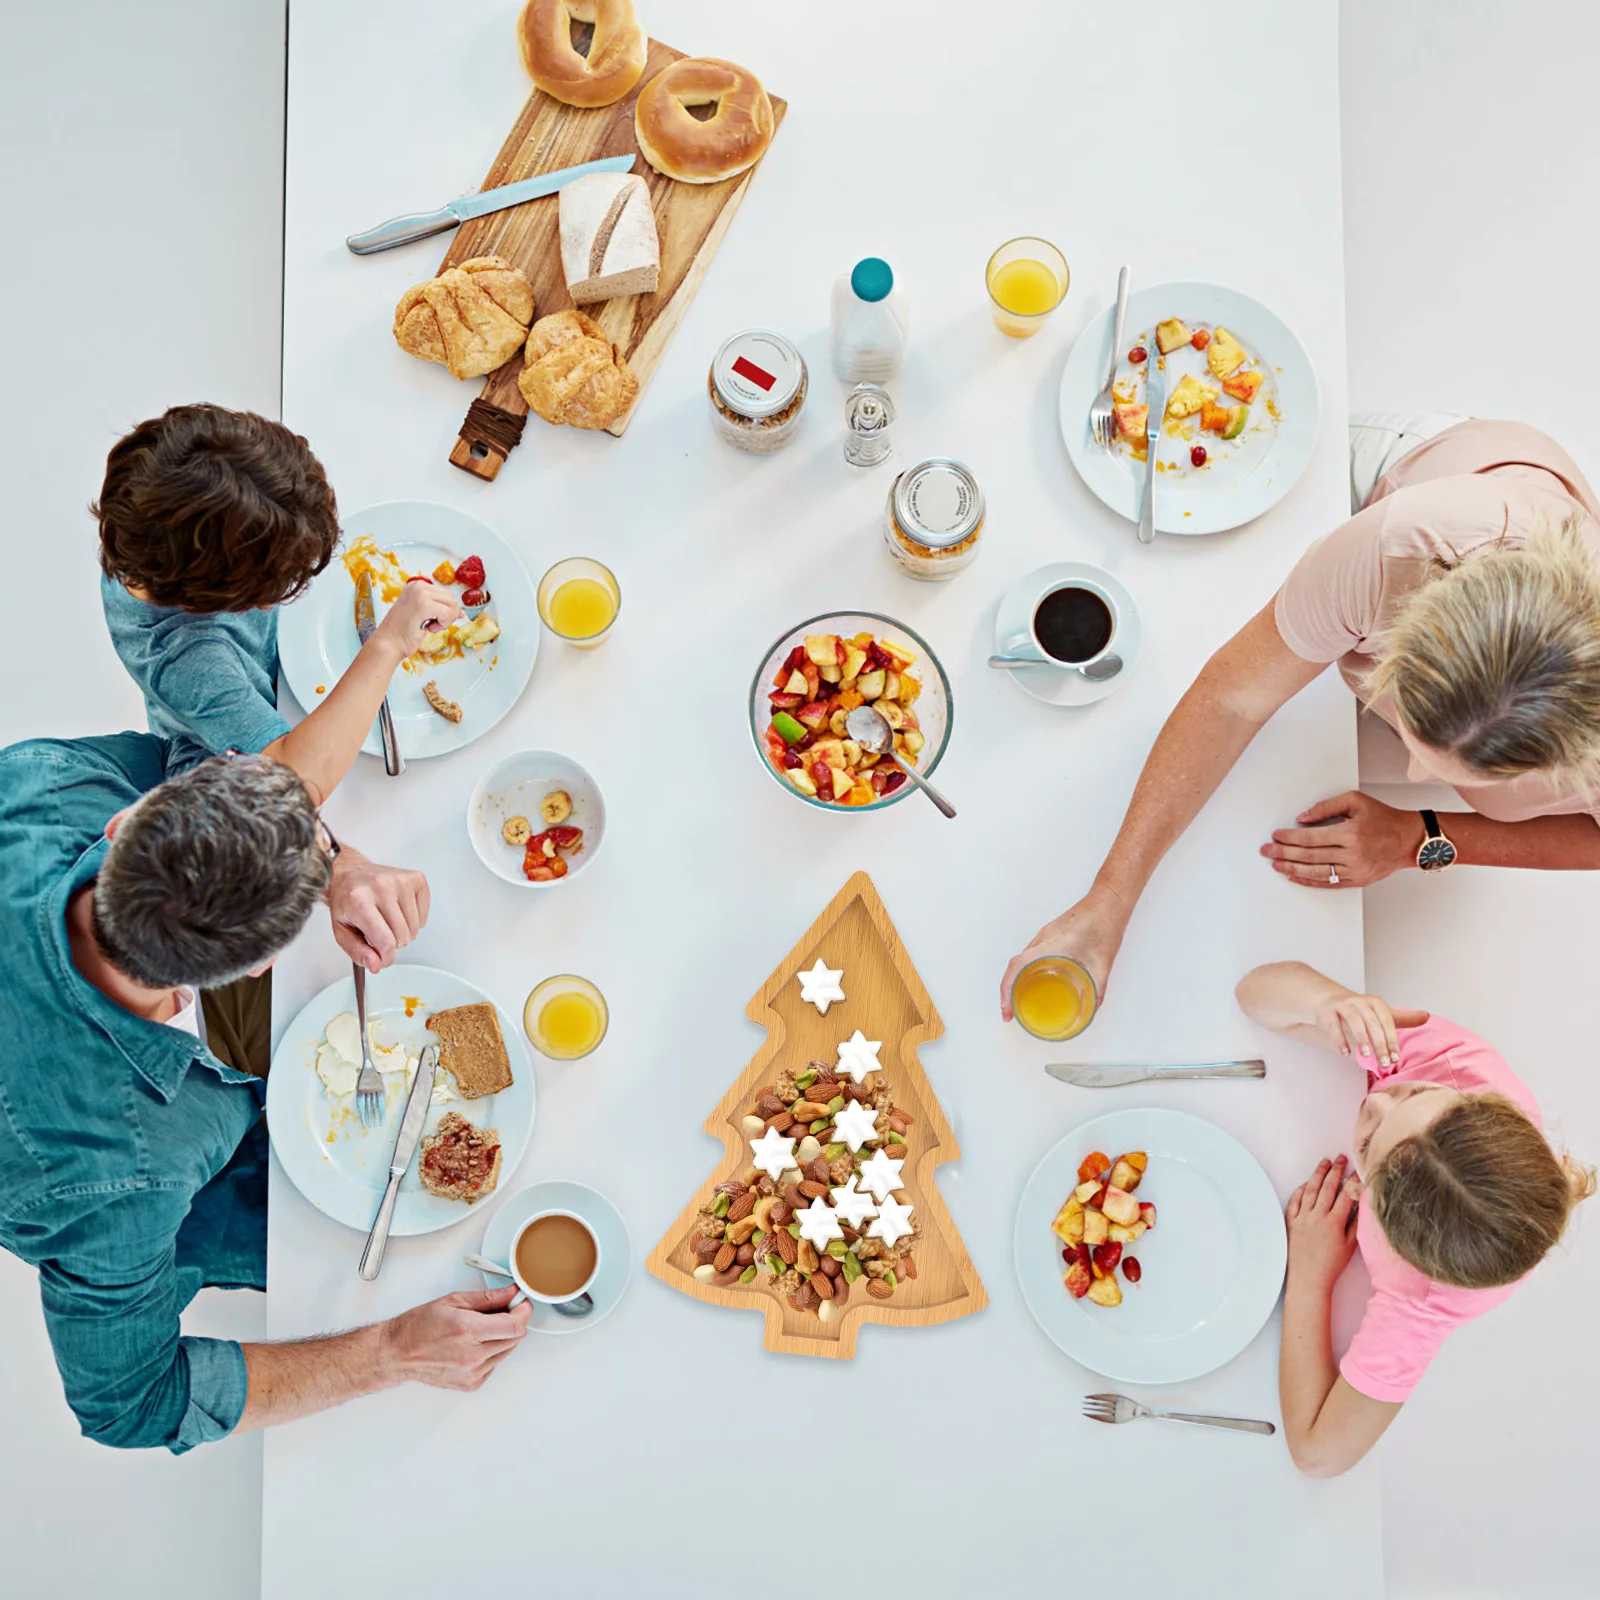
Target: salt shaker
column 868, row 412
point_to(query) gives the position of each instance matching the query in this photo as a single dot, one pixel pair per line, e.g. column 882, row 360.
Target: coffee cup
column 555, row 1257
column 1071, row 625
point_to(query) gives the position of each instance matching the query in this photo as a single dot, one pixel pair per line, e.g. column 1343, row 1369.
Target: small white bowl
column 514, row 788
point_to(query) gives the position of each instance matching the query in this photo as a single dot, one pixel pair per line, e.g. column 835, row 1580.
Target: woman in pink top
column 1451, row 1193
column 1462, row 605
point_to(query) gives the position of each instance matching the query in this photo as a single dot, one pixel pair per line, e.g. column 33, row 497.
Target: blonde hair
column 1478, row 1198
column 1497, row 660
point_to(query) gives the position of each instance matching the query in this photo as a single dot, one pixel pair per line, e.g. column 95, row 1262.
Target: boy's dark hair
column 215, row 510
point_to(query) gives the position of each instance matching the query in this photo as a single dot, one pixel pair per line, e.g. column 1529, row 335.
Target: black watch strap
column 1430, row 821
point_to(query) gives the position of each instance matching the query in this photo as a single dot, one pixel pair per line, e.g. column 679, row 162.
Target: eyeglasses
column 327, row 841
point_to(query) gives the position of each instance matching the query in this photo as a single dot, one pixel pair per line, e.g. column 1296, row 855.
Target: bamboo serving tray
column 691, row 219
column 885, row 999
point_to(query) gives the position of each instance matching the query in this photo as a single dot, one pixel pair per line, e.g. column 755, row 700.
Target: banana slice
column 556, row 806
column 517, row 831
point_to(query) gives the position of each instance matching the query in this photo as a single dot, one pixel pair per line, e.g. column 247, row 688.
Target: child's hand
column 1366, row 1025
column 1321, row 1219
column 408, row 620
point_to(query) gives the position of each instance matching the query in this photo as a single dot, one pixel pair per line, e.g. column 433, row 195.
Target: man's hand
column 422, row 608
column 1367, row 843
column 376, row 910
column 1321, row 1219
column 1090, row 932
column 454, row 1342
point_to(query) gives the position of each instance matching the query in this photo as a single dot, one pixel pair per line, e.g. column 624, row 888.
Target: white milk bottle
column 869, row 324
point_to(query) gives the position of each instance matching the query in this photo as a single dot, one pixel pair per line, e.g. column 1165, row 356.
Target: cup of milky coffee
column 1074, row 623
column 554, row 1257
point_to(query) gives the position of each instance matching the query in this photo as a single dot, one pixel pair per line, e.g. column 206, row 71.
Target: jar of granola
column 934, row 519
column 757, row 388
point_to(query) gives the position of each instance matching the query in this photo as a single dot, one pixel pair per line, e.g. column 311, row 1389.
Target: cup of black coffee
column 1073, row 623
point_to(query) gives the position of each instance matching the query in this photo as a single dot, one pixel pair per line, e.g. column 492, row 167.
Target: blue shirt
column 210, row 682
column 132, row 1161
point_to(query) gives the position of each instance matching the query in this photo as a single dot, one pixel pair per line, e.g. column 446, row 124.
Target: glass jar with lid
column 934, row 519
column 757, row 388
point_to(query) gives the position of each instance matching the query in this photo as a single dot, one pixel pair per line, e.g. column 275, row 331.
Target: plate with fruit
column 1241, row 411
column 810, row 681
column 473, row 672
column 1150, row 1246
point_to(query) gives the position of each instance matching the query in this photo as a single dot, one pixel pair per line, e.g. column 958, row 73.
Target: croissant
column 574, row 374
column 470, row 319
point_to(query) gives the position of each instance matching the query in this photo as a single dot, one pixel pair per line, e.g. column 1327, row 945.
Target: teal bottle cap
column 872, row 279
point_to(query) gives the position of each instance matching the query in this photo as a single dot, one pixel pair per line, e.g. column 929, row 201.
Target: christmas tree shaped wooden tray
column 819, row 1241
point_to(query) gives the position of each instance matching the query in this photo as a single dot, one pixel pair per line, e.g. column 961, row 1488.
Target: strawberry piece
column 1106, row 1256
column 470, row 572
column 564, row 836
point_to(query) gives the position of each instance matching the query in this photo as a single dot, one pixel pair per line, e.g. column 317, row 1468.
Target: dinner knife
column 421, row 224
column 366, row 622
column 1085, row 1076
column 1155, row 394
column 405, row 1146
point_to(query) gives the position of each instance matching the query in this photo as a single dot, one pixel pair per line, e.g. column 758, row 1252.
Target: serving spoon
column 580, row 1306
column 870, row 729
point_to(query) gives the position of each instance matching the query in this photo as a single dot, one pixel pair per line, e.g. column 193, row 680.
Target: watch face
column 1436, row 854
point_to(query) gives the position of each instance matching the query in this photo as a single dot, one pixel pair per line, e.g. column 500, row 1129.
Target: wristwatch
column 1436, row 852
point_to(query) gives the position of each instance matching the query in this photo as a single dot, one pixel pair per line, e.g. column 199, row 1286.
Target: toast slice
column 472, row 1049
column 460, row 1161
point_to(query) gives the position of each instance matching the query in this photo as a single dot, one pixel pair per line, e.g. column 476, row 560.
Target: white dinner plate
column 1241, row 478
column 1058, row 686
column 317, row 633
column 341, row 1167
column 1213, row 1264
column 610, row 1236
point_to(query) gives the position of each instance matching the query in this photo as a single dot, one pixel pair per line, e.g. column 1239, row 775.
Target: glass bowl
column 935, row 709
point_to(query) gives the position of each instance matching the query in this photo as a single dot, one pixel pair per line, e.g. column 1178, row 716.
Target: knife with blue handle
column 423, row 224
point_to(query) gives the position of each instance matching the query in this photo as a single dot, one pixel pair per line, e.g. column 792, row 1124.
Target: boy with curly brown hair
column 211, row 519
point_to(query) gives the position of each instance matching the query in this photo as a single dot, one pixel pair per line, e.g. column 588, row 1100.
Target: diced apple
column 1126, row 1235
column 855, row 659
column 913, row 742
column 1172, row 333
column 1096, row 1229
column 824, row 649
column 829, row 674
column 1079, row 1280
column 484, row 630
column 1147, row 1214
column 1066, row 1226
column 786, row 702
column 830, row 751
column 1120, row 1206
column 1094, row 1165
column 1243, row 385
column 801, row 779
column 795, row 683
column 1137, row 1159
column 1125, row 1175
column 813, row 715
column 813, row 680
column 1086, row 1191
column 843, row 783
column 432, row 643
column 1131, row 421
column 870, row 684
column 898, row 659
column 891, row 686
column 1105, row 1292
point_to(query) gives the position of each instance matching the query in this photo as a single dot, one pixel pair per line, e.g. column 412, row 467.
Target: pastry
column 472, row 1049
column 460, row 1161
column 574, row 374
column 618, row 49
column 448, row 709
column 470, row 318
column 609, row 244
column 735, row 136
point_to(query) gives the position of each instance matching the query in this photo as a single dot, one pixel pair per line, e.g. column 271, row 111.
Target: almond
column 841, row 1290
column 822, row 1285
column 780, row 1122
column 876, row 1287
column 806, row 1257
column 908, row 1267
column 706, row 1249
column 899, row 1121
column 817, row 1172
column 739, row 1232
column 769, row 1105
column 808, row 1110
column 794, row 1302
column 788, row 1246
column 905, row 1117
column 850, row 1234
column 744, row 1203
column 724, row 1257
column 724, row 1280
column 747, row 1254
column 825, row 1135
column 813, row 1191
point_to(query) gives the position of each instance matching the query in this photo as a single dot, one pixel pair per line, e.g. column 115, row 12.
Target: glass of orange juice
column 1054, row 997
column 566, row 1017
column 579, row 600
column 1027, row 280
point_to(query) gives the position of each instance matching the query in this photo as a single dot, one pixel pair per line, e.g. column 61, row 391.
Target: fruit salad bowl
column 811, row 678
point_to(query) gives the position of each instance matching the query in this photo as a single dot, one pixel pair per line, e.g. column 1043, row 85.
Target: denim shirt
column 132, row 1161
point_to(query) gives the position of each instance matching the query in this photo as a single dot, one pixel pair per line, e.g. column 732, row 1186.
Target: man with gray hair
column 136, row 919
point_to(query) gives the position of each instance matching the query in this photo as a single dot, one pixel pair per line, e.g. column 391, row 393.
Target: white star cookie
column 820, row 987
column 773, row 1153
column 855, row 1124
column 853, row 1206
column 859, row 1056
column 819, row 1223
column 893, row 1221
column 881, row 1175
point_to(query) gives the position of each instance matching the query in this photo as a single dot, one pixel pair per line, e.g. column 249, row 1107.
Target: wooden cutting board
column 885, row 999
column 690, row 217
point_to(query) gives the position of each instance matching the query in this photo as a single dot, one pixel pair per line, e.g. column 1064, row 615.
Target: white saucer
column 1060, row 686
column 610, row 1232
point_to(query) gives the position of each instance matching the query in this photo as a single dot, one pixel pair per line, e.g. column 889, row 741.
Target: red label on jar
column 748, row 369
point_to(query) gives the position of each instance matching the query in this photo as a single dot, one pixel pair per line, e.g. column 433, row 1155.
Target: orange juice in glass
column 1027, row 280
column 579, row 600
column 566, row 1017
column 1053, row 997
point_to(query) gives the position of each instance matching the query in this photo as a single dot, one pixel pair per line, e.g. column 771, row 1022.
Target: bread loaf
column 609, row 244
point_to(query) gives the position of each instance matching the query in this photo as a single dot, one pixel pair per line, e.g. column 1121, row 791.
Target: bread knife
column 1085, row 1076
column 405, row 1146
column 366, row 625
column 423, row 224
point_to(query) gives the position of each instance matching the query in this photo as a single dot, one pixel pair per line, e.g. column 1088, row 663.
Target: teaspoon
column 581, row 1306
column 1096, row 672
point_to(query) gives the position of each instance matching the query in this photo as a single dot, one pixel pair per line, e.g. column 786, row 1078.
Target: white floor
column 1469, row 272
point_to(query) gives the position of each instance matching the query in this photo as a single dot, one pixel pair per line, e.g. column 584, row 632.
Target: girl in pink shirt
column 1451, row 1193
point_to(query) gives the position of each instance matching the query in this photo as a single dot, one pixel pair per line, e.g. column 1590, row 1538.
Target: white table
column 611, row 1461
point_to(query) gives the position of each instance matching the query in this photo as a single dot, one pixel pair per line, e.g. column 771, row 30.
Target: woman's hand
column 1365, row 1024
column 1321, row 1221
column 1368, row 842
column 1090, row 932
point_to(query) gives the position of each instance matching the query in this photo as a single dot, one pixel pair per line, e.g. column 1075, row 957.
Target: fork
column 1102, row 423
column 1119, row 1408
column 369, row 1085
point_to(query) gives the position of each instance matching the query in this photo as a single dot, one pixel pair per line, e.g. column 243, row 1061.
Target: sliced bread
column 472, row 1049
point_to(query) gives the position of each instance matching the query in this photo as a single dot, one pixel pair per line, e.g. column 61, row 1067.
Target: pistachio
column 836, row 1105
column 852, row 1267
column 894, row 1138
column 748, row 1275
column 705, row 1273
column 754, row 1127
column 720, row 1209
column 890, row 1279
column 838, row 1249
column 832, row 1152
column 793, row 1230
column 805, row 1080
column 818, row 1126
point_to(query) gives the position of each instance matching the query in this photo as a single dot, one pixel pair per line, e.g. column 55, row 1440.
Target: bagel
column 678, row 144
column 616, row 57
